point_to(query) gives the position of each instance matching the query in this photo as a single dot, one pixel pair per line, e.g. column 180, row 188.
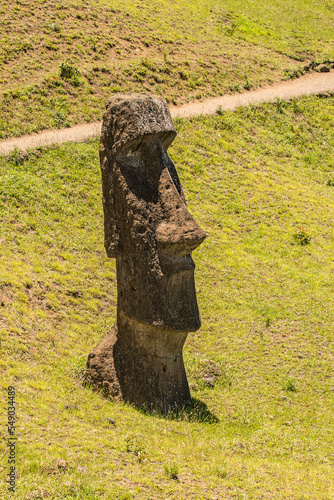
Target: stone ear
column 111, row 227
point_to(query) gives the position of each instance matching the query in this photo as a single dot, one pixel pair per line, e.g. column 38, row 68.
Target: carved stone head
column 148, row 228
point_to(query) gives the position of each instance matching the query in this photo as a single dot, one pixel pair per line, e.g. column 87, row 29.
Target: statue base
column 142, row 365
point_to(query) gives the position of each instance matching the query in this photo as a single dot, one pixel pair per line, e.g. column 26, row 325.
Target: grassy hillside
column 59, row 60
column 260, row 182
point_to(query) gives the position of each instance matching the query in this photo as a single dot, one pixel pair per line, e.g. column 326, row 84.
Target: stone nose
column 179, row 237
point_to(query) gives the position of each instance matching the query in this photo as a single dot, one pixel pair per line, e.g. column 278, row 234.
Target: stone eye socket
column 136, row 179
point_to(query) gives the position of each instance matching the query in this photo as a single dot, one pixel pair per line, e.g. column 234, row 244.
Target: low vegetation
column 60, row 60
column 260, row 425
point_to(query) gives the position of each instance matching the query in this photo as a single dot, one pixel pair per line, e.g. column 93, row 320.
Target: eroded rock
column 150, row 232
column 323, row 68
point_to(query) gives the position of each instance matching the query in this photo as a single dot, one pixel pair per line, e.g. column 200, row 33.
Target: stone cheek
column 155, row 286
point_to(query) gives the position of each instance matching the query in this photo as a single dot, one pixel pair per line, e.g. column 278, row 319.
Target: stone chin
column 168, row 302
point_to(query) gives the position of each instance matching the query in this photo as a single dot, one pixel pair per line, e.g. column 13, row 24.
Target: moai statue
column 150, row 232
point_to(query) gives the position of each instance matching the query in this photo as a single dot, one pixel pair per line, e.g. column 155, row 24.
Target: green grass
column 183, row 50
column 261, row 366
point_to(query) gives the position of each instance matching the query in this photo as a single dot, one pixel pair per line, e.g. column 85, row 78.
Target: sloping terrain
column 260, row 183
column 60, row 60
column 312, row 83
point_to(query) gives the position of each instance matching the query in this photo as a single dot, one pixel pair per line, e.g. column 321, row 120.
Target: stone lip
column 174, row 265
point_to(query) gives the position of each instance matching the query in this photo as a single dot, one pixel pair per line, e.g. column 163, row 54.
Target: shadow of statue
column 195, row 411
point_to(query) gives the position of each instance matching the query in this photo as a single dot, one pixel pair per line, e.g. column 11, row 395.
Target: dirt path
column 314, row 83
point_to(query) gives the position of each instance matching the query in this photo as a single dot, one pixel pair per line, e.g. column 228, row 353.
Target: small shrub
column 289, row 385
column 296, row 106
column 148, row 63
column 53, row 81
column 69, row 72
column 16, row 156
column 171, row 471
column 235, row 87
column 247, row 84
column 280, row 104
column 135, row 447
column 222, row 472
column 60, row 119
column 54, row 27
column 290, row 74
column 301, row 237
column 184, row 74
column 330, row 182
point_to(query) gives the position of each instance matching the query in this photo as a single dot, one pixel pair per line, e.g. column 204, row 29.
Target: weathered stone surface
column 151, row 233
